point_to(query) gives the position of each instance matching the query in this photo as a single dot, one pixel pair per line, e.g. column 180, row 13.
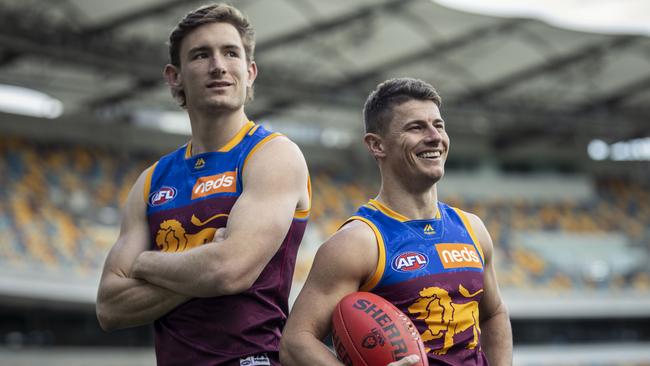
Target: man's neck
column 416, row 204
column 211, row 131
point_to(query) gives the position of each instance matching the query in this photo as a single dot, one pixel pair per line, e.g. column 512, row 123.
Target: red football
column 367, row 330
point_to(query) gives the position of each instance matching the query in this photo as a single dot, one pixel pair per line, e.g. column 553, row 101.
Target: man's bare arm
column 340, row 267
column 123, row 301
column 496, row 332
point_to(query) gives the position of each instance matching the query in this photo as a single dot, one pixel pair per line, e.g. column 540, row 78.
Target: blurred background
column 547, row 105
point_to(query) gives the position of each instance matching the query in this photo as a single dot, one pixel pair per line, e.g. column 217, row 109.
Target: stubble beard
column 222, row 104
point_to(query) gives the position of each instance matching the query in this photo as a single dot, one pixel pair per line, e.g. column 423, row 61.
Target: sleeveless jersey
column 188, row 198
column 432, row 270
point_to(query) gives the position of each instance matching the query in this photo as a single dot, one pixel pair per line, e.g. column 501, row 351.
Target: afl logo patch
column 409, row 261
column 163, row 195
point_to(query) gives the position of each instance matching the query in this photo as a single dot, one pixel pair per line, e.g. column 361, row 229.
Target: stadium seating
column 56, row 201
column 59, row 210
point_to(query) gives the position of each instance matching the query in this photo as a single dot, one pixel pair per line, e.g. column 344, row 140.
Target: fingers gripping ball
column 367, row 330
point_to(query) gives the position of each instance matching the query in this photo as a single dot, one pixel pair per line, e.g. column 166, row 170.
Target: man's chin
column 435, row 177
column 222, row 105
column 423, row 179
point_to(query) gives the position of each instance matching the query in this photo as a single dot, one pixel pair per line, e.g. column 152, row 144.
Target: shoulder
column 135, row 207
column 278, row 156
column 472, row 218
column 352, row 249
column 480, row 231
column 276, row 143
column 142, row 186
column 355, row 235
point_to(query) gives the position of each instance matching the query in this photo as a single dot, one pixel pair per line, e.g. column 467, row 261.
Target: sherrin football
column 367, row 330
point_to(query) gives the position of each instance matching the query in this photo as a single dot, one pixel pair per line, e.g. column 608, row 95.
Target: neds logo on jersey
column 218, row 183
column 163, row 195
column 409, row 261
column 458, row 256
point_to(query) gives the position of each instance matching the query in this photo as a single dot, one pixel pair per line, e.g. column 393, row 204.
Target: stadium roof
column 509, row 81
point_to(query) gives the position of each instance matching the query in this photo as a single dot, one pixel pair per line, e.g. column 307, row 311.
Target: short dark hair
column 378, row 109
column 214, row 13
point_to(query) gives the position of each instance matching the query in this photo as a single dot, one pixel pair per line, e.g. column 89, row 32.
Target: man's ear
column 252, row 73
column 172, row 76
column 375, row 145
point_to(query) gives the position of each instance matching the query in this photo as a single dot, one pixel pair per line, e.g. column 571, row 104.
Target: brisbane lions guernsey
column 189, row 198
column 432, row 270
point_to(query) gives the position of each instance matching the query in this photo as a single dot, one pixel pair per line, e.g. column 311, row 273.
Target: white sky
column 602, row 16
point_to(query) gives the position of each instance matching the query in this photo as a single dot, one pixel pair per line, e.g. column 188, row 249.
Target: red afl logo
column 409, row 261
column 162, row 196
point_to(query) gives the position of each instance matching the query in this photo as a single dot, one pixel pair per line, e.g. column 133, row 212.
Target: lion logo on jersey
column 172, row 236
column 445, row 318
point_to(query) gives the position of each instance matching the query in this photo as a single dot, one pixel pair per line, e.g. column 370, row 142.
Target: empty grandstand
column 547, row 128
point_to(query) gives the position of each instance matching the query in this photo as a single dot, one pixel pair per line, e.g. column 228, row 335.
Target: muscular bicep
column 275, row 182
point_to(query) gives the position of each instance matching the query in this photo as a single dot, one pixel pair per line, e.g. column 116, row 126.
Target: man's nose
column 432, row 134
column 217, row 65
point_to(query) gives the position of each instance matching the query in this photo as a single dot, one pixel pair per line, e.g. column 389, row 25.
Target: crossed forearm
column 127, row 302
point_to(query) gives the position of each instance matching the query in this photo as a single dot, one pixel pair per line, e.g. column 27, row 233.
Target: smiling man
column 215, row 297
column 434, row 262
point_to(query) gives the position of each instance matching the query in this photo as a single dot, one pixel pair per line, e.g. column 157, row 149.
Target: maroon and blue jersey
column 432, row 270
column 188, row 198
